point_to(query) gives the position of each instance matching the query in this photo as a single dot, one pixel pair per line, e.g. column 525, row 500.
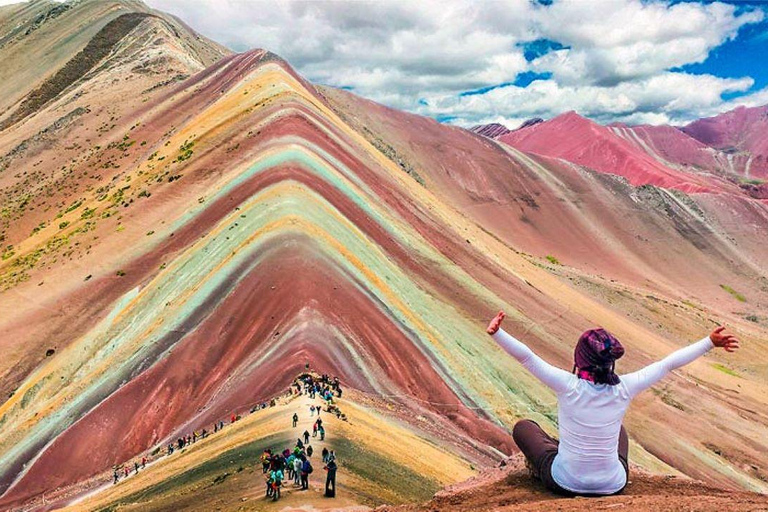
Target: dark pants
column 304, row 480
column 540, row 450
column 330, row 484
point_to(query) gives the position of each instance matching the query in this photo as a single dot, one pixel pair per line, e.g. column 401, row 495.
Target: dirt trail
column 511, row 487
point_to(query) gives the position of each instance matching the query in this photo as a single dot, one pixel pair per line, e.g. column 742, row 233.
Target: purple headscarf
column 595, row 355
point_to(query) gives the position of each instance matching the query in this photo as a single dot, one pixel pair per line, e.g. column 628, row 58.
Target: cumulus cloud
column 664, row 98
column 612, row 60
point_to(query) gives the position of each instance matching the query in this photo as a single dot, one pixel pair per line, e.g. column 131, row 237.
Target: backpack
column 310, row 469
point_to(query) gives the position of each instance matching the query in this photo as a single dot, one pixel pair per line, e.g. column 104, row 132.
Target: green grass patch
column 185, row 151
column 552, row 259
column 739, row 297
column 208, row 473
column 390, row 475
column 751, row 181
column 725, row 369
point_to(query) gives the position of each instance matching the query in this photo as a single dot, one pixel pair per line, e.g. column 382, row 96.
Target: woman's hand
column 496, row 323
column 723, row 340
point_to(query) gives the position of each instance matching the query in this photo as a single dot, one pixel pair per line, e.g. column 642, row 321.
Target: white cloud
column 618, row 63
column 612, row 41
column 664, row 98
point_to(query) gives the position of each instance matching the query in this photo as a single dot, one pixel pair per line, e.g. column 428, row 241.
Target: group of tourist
column 295, row 464
column 325, row 387
column 126, row 470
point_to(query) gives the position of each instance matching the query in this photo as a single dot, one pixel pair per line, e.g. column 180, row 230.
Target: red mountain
column 740, row 131
column 578, row 140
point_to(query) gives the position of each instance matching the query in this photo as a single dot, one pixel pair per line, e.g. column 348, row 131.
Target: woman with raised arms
column 590, row 458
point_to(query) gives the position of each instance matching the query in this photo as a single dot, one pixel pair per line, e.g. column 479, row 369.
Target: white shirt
column 590, row 415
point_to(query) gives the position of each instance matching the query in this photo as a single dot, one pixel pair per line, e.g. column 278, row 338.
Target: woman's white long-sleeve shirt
column 590, row 415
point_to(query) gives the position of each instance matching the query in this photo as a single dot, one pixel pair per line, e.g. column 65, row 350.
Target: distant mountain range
column 701, row 156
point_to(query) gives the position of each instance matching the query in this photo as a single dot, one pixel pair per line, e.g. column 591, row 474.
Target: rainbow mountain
column 184, row 229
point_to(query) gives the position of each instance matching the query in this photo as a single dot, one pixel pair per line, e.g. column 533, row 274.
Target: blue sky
column 746, row 55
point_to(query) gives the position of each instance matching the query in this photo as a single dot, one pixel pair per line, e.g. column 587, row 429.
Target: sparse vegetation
column 185, row 151
column 553, row 260
column 752, row 318
column 88, row 213
column 725, row 369
column 739, row 297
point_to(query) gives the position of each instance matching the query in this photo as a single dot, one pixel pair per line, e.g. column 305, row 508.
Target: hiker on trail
column 274, row 482
column 295, row 420
column 126, row 470
column 143, row 462
column 591, row 457
column 306, row 437
column 325, row 455
column 265, row 459
column 297, row 465
column 310, row 451
column 314, row 430
column 321, row 431
column 306, row 470
column 311, row 410
column 135, row 467
column 330, row 479
column 115, row 476
column 289, row 466
column 299, row 444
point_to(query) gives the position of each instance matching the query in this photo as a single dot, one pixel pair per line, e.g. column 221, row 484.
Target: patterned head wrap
column 595, row 356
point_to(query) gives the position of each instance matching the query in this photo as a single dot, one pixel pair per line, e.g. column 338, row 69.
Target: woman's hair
column 595, row 356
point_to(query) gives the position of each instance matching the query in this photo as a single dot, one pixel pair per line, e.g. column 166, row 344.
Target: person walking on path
column 314, row 430
column 275, row 482
column 321, row 431
column 330, row 479
column 310, row 451
column 306, row 470
column 297, row 464
column 306, row 437
column 311, row 410
column 591, row 457
column 115, row 476
column 295, row 420
column 265, row 460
